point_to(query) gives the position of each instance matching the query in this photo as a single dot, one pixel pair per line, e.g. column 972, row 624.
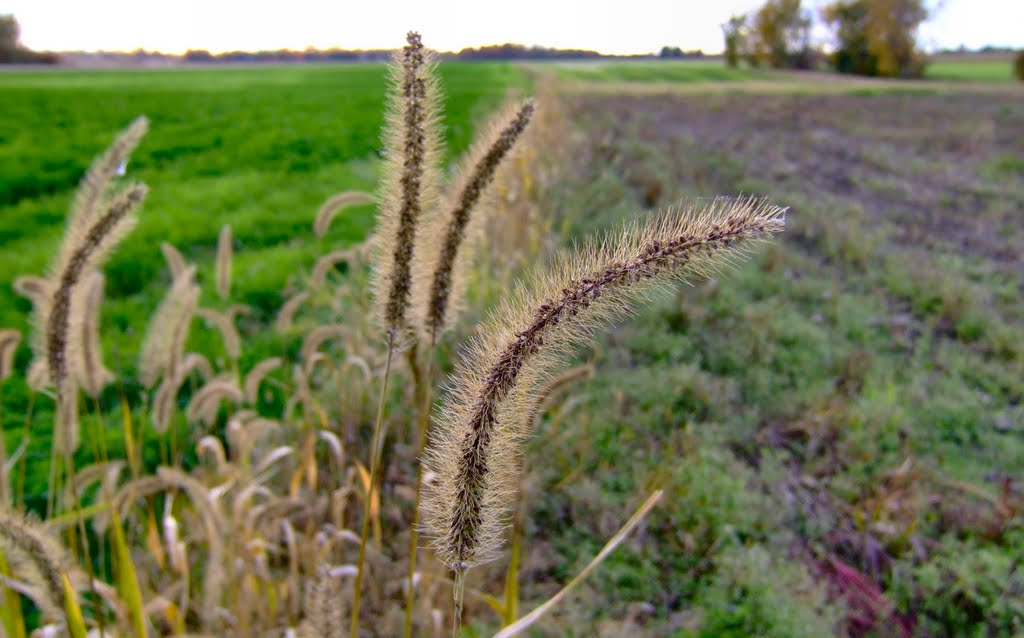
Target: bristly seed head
column 412, row 143
column 98, row 238
column 486, row 158
column 476, row 445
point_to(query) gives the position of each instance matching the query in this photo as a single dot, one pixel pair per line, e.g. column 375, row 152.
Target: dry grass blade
column 334, row 205
column 9, row 340
column 532, row 617
column 480, row 426
column 224, row 262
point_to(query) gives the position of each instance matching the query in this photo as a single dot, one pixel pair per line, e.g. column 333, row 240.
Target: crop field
column 993, row 69
column 257, row 148
column 837, row 422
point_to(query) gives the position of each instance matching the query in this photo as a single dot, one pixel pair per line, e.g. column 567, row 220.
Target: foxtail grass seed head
column 206, row 402
column 412, row 147
column 38, row 290
column 46, row 559
column 85, row 344
column 286, row 315
column 441, row 278
column 175, row 262
column 326, row 263
column 95, row 185
column 80, row 253
column 256, row 375
column 225, row 325
column 164, row 342
column 334, row 205
column 9, row 340
column 171, row 478
column 476, row 446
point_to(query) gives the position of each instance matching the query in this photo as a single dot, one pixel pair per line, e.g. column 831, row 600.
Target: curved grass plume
column 475, row 447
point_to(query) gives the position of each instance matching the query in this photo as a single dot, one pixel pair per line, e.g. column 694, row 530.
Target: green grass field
column 980, row 70
column 681, row 73
column 255, row 147
column 259, row 148
column 674, row 72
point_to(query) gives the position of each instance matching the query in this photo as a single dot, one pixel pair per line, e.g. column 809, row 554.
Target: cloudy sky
column 610, row 26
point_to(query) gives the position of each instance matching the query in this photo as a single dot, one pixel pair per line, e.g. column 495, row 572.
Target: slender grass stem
column 371, row 484
column 423, row 420
column 459, row 593
column 23, row 465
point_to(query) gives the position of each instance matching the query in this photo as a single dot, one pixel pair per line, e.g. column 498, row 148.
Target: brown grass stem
column 422, row 423
column 375, row 453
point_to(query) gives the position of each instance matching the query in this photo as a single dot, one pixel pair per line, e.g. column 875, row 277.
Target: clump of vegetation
column 776, row 36
column 1018, row 66
column 877, row 37
column 235, row 508
column 874, row 37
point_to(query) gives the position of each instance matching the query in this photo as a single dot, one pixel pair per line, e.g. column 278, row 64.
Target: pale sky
column 609, row 26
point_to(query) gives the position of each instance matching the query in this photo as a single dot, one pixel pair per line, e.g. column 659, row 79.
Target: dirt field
column 845, row 411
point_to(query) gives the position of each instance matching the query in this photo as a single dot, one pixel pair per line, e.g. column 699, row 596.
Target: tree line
column 872, row 37
column 11, row 49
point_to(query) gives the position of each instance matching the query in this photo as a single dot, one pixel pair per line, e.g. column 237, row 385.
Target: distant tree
column 780, row 36
column 877, row 37
column 670, row 52
column 202, row 55
column 11, row 50
column 10, row 34
column 735, row 33
column 1018, row 65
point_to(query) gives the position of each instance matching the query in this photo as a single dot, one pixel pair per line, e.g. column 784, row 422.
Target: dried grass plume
column 476, row 445
column 412, row 147
column 440, row 281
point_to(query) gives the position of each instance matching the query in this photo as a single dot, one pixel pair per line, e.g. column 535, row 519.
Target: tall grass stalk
column 422, row 424
column 412, row 146
column 371, row 486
